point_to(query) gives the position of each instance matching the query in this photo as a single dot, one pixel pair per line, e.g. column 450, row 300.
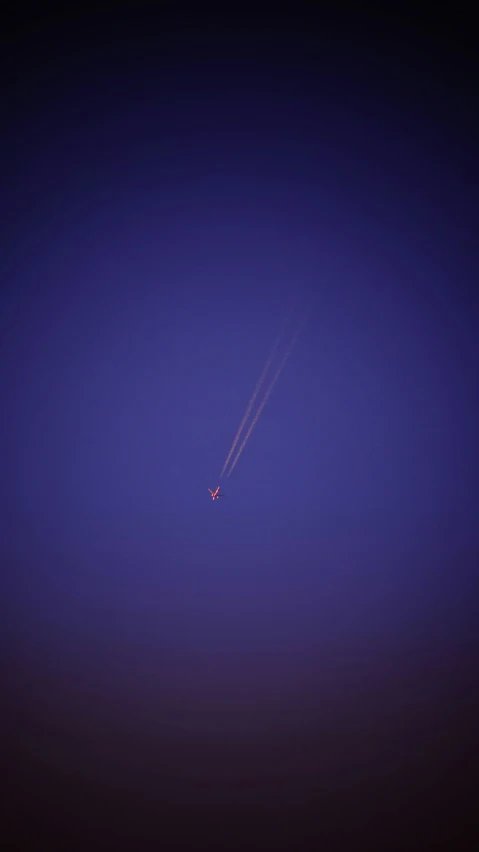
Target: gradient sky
column 300, row 656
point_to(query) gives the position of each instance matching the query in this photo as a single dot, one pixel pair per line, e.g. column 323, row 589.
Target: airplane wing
column 209, row 489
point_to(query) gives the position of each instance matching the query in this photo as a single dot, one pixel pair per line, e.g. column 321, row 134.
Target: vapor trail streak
column 251, row 402
column 266, row 397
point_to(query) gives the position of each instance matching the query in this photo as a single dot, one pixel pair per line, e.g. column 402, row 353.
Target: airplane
column 215, row 494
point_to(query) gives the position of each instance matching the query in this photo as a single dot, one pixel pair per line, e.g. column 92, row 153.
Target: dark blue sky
column 301, row 655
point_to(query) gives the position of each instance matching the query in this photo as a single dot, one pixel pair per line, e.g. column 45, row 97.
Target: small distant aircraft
column 215, row 494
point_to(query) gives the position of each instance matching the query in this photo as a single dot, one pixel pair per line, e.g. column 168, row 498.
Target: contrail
column 255, row 394
column 267, row 395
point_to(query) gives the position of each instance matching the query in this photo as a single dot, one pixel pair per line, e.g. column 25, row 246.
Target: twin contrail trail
column 265, row 397
column 264, row 400
column 251, row 402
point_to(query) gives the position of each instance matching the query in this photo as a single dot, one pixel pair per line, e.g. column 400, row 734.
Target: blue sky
column 166, row 219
